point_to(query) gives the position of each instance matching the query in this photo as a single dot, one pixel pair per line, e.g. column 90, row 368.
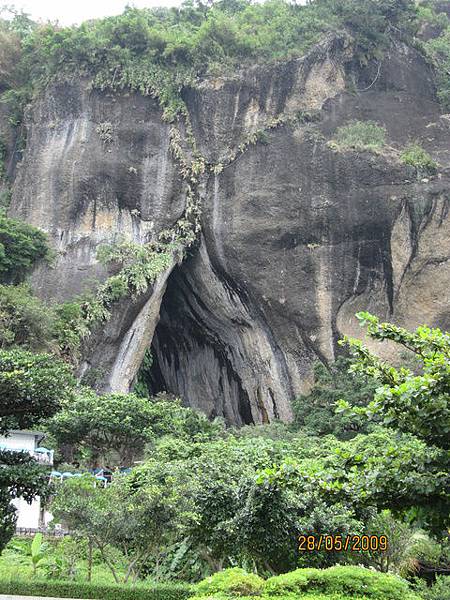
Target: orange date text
column 341, row 543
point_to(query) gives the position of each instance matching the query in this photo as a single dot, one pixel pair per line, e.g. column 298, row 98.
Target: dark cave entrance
column 190, row 358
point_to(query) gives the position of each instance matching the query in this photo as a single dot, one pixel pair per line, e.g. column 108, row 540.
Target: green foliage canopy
column 114, row 428
column 21, row 246
column 316, row 411
column 25, row 321
column 158, row 51
column 415, row 403
column 138, row 522
column 32, row 387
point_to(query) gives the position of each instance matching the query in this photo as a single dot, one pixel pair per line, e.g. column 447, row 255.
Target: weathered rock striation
column 296, row 236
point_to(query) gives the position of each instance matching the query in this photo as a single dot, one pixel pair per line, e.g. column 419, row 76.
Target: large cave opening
column 191, row 354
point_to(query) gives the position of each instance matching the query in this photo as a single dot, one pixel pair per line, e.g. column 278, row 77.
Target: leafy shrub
column 63, row 589
column 354, row 581
column 439, row 591
column 438, row 50
column 32, row 386
column 235, row 582
column 400, row 553
column 24, row 319
column 283, row 597
column 316, row 411
column 359, row 135
column 428, row 15
column 419, row 158
column 21, row 245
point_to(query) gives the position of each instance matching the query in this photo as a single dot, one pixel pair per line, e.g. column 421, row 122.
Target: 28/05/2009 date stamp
column 339, row 543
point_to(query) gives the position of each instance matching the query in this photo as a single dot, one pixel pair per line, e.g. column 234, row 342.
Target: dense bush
column 316, row 411
column 351, row 581
column 419, row 158
column 235, row 582
column 24, row 319
column 64, row 589
column 440, row 590
column 21, row 246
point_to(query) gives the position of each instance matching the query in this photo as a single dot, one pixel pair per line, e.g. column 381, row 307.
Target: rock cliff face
column 296, row 237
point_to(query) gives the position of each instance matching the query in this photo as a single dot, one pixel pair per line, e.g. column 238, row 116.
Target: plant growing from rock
column 418, row 157
column 359, row 135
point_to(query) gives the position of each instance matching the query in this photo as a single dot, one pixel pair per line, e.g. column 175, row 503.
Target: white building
column 29, row 516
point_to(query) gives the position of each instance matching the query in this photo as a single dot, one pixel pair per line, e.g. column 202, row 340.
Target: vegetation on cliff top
column 157, row 51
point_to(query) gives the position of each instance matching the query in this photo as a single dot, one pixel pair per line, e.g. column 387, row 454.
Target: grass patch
column 359, row 135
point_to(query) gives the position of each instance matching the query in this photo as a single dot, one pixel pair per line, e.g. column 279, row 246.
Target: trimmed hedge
column 233, row 582
column 287, row 597
column 70, row 589
column 348, row 581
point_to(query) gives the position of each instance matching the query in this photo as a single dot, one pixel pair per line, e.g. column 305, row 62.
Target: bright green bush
column 354, row 581
column 63, row 589
column 234, row 582
column 419, row 158
column 359, row 135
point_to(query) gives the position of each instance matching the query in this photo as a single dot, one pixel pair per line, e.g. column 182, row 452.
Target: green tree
column 32, row 387
column 98, row 425
column 316, row 411
column 20, row 476
column 137, row 522
column 114, row 428
column 414, row 403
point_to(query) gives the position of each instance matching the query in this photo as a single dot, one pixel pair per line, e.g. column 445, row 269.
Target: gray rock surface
column 296, row 236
